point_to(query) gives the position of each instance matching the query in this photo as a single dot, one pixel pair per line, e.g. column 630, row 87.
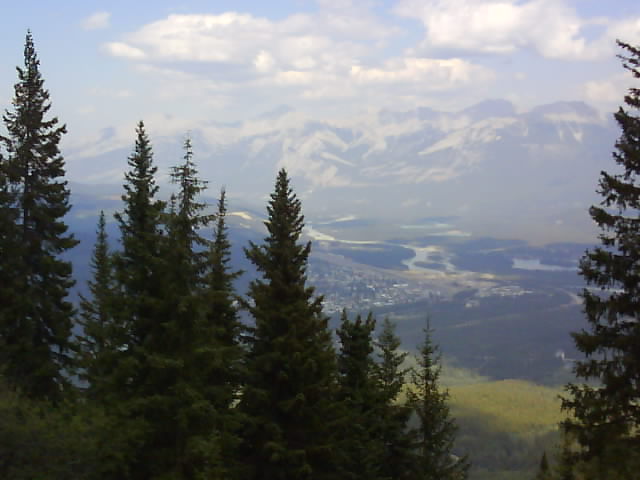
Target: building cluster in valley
column 360, row 289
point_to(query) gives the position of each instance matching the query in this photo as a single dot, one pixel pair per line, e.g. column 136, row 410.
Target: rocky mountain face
column 495, row 170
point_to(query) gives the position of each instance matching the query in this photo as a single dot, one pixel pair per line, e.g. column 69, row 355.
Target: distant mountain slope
column 488, row 164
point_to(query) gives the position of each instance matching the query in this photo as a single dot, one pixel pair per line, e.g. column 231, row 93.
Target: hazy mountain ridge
column 405, row 164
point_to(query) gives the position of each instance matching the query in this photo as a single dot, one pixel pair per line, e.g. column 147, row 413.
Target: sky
column 177, row 63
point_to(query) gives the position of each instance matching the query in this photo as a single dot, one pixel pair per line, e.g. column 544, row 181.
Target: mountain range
column 495, row 170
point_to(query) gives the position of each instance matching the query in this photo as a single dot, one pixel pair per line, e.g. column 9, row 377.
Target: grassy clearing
column 512, row 406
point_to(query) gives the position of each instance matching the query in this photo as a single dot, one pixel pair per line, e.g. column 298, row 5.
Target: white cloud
column 86, row 110
column 432, row 74
column 237, row 38
column 336, row 53
column 96, row 21
column 264, row 62
column 111, row 93
column 602, row 91
column 607, row 93
column 172, row 84
column 293, row 77
column 119, row 49
column 627, row 31
column 551, row 27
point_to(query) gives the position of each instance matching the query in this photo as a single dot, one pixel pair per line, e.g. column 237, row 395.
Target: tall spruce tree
column 140, row 287
column 397, row 440
column 288, row 396
column 436, row 429
column 360, row 396
column 97, row 342
column 139, row 265
column 226, row 366
column 605, row 414
column 181, row 347
column 222, row 309
column 36, row 323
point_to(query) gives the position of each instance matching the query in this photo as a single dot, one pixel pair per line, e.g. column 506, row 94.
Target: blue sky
column 179, row 63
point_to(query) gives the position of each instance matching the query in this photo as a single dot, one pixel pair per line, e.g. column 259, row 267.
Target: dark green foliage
column 355, row 362
column 187, row 219
column 361, row 398
column 544, row 472
column 139, row 265
column 606, row 413
column 9, row 263
column 97, row 344
column 140, row 278
column 41, row 442
column 35, row 314
column 222, row 309
column 183, row 345
column 288, row 397
column 164, row 417
column 436, row 429
column 160, row 367
column 397, row 442
column 375, row 441
column 389, row 369
column 566, row 461
column 226, row 373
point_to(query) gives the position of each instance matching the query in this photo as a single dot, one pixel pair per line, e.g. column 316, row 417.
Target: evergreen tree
column 187, row 220
column 361, row 397
column 176, row 351
column 288, row 397
column 222, row 311
column 436, row 429
column 184, row 441
column 139, row 266
column 226, row 362
column 397, row 442
column 544, row 472
column 9, row 263
column 97, row 339
column 141, row 288
column 36, row 323
column 389, row 369
column 605, row 414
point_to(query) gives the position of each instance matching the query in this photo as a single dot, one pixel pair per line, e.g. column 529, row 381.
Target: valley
column 489, row 314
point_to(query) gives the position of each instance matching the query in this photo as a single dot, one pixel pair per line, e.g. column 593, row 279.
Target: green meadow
column 505, row 425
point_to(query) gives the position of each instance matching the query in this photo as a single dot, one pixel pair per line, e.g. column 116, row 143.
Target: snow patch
column 243, row 215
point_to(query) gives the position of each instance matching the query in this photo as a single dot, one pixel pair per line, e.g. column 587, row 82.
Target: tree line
column 163, row 380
